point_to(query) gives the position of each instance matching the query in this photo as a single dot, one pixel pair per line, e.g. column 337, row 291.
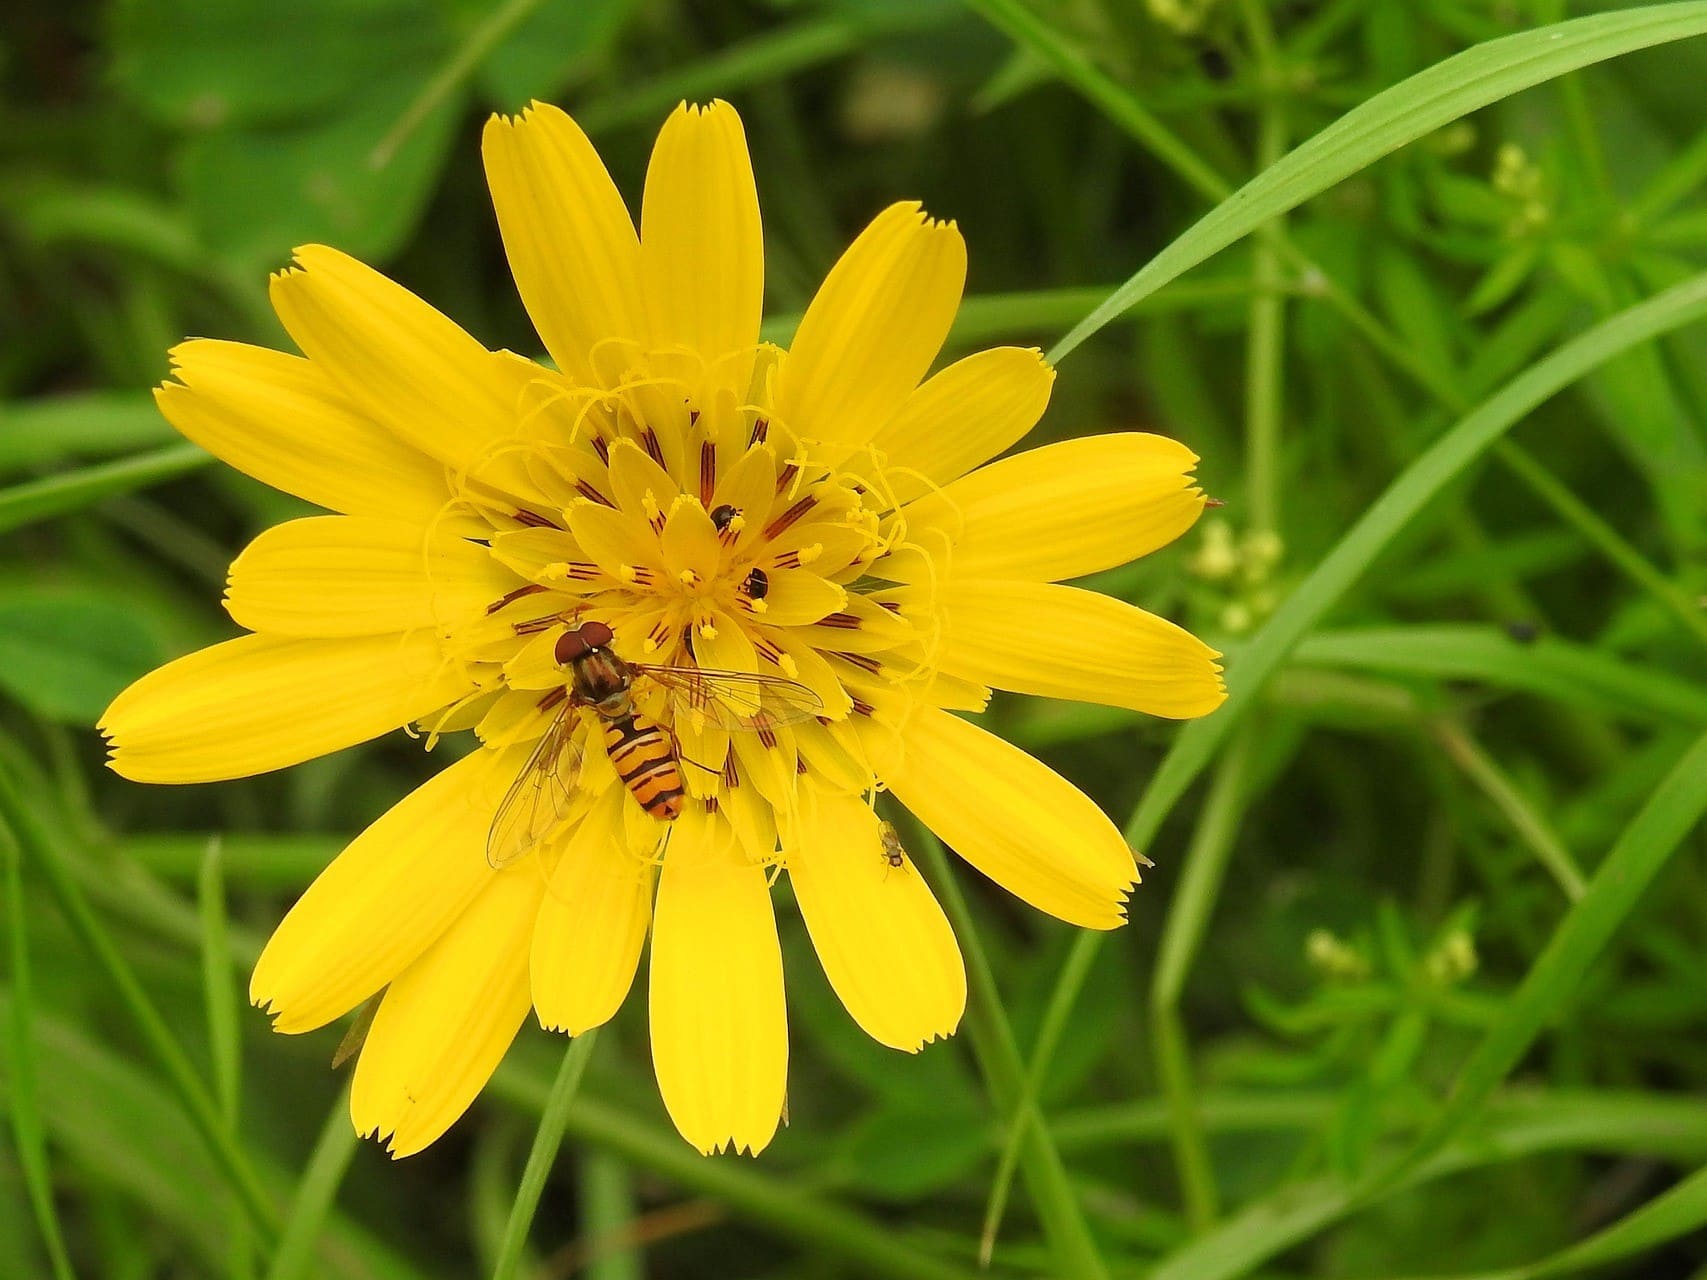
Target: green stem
column 546, row 1141
column 1263, row 350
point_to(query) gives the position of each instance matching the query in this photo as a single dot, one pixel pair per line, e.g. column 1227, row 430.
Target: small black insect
column 1523, row 632
column 722, row 515
column 758, row 584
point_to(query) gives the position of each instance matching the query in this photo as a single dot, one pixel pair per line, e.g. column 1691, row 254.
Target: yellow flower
column 488, row 505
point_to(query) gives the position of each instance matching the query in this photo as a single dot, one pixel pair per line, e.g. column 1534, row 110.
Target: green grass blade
column 1187, row 922
column 772, row 55
column 1049, row 1034
column 219, row 985
column 1437, row 96
column 471, row 51
column 1549, row 667
column 315, row 1194
column 23, row 504
column 22, row 1102
column 1530, row 826
column 219, row 995
column 1618, row 882
column 992, row 1037
column 198, row 1104
column 1403, row 500
column 782, row 1207
column 1673, row 1213
column 546, row 1141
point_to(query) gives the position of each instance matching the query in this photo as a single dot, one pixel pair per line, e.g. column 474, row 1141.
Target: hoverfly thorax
column 601, row 679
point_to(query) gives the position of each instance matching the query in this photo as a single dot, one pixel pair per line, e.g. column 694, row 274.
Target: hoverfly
column 894, row 854
column 642, row 750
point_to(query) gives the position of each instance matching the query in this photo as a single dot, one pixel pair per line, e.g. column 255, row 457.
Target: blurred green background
column 1374, row 884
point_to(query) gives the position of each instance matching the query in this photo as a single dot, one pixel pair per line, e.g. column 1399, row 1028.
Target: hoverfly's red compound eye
column 578, row 643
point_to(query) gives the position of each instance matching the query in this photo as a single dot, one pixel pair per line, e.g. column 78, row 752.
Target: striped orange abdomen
column 644, row 755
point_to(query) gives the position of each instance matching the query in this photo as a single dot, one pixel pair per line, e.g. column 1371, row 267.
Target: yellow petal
column 797, row 597
column 1061, row 511
column 1061, row 642
column 873, row 329
column 282, row 420
column 568, row 236
column 962, row 417
column 447, row 1019
column 719, row 1030
column 405, row 364
column 884, row 942
column 384, row 900
column 592, row 924
column 701, row 247
column 258, row 703
column 1015, row 819
column 355, row 575
column 620, row 545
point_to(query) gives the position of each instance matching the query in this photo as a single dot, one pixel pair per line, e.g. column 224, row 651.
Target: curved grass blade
column 1673, row 1213
column 1547, row 666
column 546, row 1140
column 1670, row 813
column 987, row 1026
column 23, row 504
column 192, row 1094
column 22, row 1103
column 315, row 1193
column 1403, row 500
column 1452, row 88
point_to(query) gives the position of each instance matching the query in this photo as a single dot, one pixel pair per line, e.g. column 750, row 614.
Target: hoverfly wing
column 539, row 797
column 742, row 701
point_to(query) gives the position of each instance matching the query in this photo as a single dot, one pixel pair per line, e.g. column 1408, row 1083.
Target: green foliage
column 1415, row 985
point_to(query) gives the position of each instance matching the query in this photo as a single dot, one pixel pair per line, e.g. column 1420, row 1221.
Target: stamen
column 768, row 651
column 532, row 588
column 864, row 661
column 533, row 520
column 799, row 766
column 840, row 621
column 706, row 631
column 783, row 477
column 791, row 516
column 601, row 446
column 533, row 626
column 761, row 429
column 707, row 470
column 689, row 579
column 730, row 777
column 552, row 698
column 586, row 490
column 649, row 442
column 860, row 706
column 654, row 514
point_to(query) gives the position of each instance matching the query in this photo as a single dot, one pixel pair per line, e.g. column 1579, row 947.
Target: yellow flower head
column 698, row 598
